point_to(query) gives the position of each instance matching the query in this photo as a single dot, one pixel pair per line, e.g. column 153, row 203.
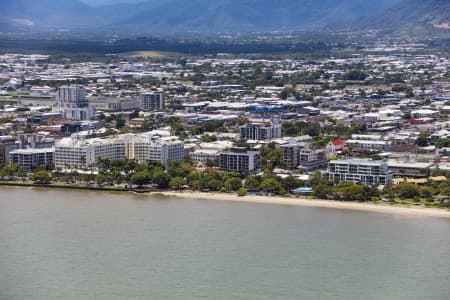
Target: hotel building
column 363, row 171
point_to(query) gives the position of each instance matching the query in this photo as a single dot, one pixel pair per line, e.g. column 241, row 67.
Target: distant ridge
column 189, row 15
column 413, row 15
column 250, row 15
column 212, row 16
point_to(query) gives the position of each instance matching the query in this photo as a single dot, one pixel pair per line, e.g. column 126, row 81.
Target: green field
column 150, row 54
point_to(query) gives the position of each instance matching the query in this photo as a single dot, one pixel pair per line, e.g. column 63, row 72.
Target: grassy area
column 150, row 54
column 188, row 83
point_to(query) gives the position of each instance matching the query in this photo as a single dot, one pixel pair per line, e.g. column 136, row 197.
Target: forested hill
column 192, row 15
column 413, row 16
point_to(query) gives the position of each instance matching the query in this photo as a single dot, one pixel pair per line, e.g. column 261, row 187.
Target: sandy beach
column 369, row 207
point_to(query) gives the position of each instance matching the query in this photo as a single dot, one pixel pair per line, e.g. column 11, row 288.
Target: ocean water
column 89, row 245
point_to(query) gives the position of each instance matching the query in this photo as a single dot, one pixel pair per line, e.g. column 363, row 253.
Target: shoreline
column 75, row 187
column 397, row 210
column 304, row 202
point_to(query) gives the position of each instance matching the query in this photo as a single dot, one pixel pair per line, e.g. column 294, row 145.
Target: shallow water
column 88, row 245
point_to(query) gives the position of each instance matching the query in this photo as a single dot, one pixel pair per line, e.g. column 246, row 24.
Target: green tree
column 101, row 178
column 349, row 191
column 161, row 179
column 214, row 185
column 422, row 140
column 232, row 184
column 355, row 75
column 322, row 191
column 103, row 164
column 211, row 163
column 371, row 192
column 270, row 185
column 286, row 92
column 10, row 170
column 442, row 143
column 42, row 177
column 195, row 185
column 317, row 178
column 177, row 182
column 179, row 169
column 252, row 183
column 274, row 159
column 445, row 191
column 406, row 191
column 194, row 176
column 120, row 123
column 140, row 178
column 426, row 192
column 290, row 183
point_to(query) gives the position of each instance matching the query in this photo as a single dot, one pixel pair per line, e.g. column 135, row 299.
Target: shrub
column 242, row 192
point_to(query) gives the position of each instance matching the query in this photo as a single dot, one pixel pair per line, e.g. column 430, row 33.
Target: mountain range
column 413, row 15
column 166, row 16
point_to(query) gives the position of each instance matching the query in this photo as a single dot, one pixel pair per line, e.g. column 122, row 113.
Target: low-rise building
column 203, row 155
column 79, row 114
column 335, row 147
column 409, row 169
column 369, row 145
column 363, row 171
column 70, row 127
column 424, row 113
column 33, row 157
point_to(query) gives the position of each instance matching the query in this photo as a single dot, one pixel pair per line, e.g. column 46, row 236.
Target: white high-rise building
column 73, row 104
column 363, row 171
column 260, row 130
column 152, row 101
column 240, row 160
column 71, row 96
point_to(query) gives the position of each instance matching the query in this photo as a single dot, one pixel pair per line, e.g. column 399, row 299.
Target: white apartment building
column 367, row 137
column 203, row 155
column 75, row 152
column 147, row 147
column 424, row 113
column 79, row 114
column 370, row 145
column 260, row 131
column 383, row 115
column 363, row 171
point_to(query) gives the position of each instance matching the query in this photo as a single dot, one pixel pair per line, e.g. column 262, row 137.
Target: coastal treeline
column 186, row 176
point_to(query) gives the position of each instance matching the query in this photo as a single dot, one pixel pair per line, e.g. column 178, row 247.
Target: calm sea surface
column 88, row 245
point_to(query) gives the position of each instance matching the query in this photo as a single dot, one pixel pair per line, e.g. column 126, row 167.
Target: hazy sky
column 97, row 2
